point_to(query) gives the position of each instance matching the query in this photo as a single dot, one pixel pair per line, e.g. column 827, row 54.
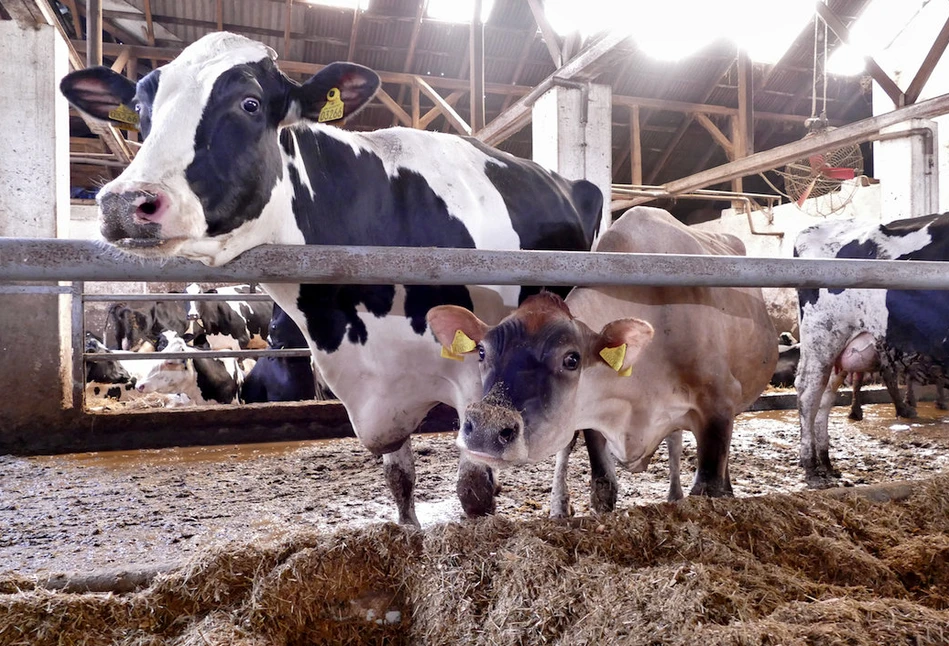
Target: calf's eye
column 480, row 352
column 250, row 105
column 571, row 360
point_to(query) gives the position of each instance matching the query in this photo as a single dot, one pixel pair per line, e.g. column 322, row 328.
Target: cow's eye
column 250, row 105
column 138, row 108
column 480, row 352
column 571, row 360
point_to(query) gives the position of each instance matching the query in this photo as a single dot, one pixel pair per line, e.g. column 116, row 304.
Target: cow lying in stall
column 200, row 379
column 236, row 154
column 665, row 359
column 856, row 329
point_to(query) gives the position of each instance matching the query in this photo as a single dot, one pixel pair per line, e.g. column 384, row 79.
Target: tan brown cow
column 635, row 364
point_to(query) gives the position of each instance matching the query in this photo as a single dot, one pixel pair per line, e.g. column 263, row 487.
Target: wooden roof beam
column 444, row 107
column 547, row 32
column 687, row 121
column 720, row 137
column 873, row 68
column 929, row 64
column 852, row 133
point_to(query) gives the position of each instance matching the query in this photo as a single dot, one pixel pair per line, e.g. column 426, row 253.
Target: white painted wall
column 901, row 60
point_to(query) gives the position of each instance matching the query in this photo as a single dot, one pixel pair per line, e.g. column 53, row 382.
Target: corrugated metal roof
column 322, row 35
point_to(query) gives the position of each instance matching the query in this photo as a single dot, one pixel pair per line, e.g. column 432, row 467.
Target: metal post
column 78, row 345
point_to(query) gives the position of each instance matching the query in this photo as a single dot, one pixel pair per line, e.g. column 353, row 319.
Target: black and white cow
column 132, row 326
column 853, row 330
column 237, row 325
column 201, row 379
column 107, row 379
column 280, row 379
column 237, row 155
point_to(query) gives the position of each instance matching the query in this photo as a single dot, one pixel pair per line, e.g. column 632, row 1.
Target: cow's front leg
column 559, row 491
column 476, row 488
column 711, row 477
column 674, row 447
column 399, row 470
column 603, row 485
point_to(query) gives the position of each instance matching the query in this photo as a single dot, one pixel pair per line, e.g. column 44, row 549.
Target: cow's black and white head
column 211, row 162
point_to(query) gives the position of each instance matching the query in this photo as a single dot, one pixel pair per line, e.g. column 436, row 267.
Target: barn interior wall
column 901, row 60
column 34, row 202
column 782, row 304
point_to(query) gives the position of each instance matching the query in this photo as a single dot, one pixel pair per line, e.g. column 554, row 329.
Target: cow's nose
column 140, row 205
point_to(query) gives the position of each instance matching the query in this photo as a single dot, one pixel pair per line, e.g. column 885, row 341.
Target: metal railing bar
column 106, row 298
column 31, row 259
column 11, row 290
column 194, row 354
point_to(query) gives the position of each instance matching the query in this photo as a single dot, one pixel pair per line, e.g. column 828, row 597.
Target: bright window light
column 343, row 4
column 457, row 10
column 675, row 29
column 874, row 31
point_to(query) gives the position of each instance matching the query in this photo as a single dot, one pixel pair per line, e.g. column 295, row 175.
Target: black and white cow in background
column 236, row 325
column 237, row 155
column 200, row 379
column 847, row 330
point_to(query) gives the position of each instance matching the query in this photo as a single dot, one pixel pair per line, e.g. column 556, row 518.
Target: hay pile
column 807, row 568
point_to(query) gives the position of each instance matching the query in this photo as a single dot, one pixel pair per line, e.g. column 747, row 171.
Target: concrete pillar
column 572, row 135
column 34, row 202
column 907, row 168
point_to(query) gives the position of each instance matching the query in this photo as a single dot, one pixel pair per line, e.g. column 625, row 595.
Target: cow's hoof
column 822, row 479
column 942, row 405
column 603, row 495
column 855, row 415
column 711, row 490
column 906, row 412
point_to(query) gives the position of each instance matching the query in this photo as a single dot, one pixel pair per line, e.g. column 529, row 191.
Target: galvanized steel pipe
column 30, row 259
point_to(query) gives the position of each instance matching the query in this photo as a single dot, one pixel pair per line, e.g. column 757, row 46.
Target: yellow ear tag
column 461, row 344
column 334, row 108
column 126, row 115
column 614, row 358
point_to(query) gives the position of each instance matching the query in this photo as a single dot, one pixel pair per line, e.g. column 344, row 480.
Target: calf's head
column 532, row 364
column 211, row 157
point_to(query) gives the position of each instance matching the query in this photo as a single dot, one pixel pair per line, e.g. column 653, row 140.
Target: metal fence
column 49, row 260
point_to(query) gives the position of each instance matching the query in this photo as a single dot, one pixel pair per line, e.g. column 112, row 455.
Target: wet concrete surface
column 92, row 511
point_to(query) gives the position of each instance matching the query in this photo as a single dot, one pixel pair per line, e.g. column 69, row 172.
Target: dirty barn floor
column 106, row 510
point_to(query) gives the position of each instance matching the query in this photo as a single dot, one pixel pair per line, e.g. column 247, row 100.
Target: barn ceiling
column 394, row 36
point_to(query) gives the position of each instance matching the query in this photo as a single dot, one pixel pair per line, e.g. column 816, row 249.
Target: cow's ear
column 102, row 94
column 620, row 343
column 337, row 91
column 458, row 330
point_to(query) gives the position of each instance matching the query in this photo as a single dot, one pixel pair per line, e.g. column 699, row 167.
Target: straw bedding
column 806, row 568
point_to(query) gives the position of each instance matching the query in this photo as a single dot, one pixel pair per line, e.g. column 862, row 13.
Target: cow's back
column 716, row 343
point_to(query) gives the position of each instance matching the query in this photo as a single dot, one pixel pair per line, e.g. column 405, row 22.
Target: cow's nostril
column 150, row 207
column 507, row 434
